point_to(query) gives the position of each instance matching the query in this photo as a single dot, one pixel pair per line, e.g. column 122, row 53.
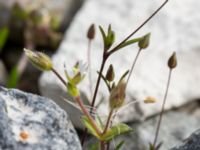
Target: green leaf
column 103, row 35
column 116, row 130
column 109, row 30
column 4, row 32
column 123, row 76
column 129, row 42
column 13, row 78
column 67, row 76
column 95, row 146
column 110, row 39
column 99, row 121
column 88, row 125
column 77, row 79
column 151, row 147
column 105, row 81
column 119, row 145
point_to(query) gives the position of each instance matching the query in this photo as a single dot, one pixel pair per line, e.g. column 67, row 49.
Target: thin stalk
column 133, row 65
column 95, row 94
column 162, row 109
column 98, row 82
column 108, row 121
column 137, row 29
column 59, row 76
column 102, row 145
column 85, row 112
column 89, row 67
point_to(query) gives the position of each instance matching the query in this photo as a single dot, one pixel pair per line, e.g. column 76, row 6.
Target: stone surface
column 172, row 29
column 175, row 127
column 63, row 9
column 31, row 122
column 191, row 143
column 3, row 74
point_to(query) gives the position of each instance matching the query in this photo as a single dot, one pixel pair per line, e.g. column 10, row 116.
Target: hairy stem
column 98, row 83
column 95, row 94
column 108, row 121
column 87, row 114
column 162, row 109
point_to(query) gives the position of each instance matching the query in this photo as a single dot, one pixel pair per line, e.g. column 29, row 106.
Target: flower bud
column 110, row 73
column 91, row 32
column 110, row 39
column 72, row 90
column 172, row 62
column 39, row 60
column 149, row 99
column 144, row 42
column 117, row 96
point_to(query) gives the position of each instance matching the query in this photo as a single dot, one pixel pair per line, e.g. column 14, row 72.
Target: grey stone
column 31, row 122
column 3, row 74
column 176, row 27
column 175, row 127
column 191, row 143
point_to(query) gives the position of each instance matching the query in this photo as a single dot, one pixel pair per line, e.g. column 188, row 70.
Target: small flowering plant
column 105, row 132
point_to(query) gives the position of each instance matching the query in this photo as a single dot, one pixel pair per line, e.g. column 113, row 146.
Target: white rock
column 175, row 28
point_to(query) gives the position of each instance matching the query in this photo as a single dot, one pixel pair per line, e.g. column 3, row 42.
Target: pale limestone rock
column 175, row 28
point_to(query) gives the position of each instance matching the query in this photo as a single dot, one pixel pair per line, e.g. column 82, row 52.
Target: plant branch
column 108, row 121
column 102, row 145
column 98, row 82
column 162, row 109
column 138, row 28
column 59, row 76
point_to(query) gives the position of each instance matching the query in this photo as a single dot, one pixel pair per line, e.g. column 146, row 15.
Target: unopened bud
column 110, row 75
column 172, row 62
column 91, row 32
column 149, row 99
column 117, row 96
column 144, row 42
column 39, row 60
column 110, row 39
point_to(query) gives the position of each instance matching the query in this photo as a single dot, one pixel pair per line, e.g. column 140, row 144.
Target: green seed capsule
column 144, row 42
column 117, row 96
